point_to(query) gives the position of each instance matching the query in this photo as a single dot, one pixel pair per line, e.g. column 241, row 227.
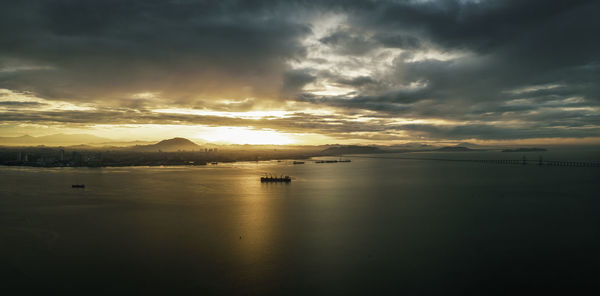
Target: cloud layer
column 377, row 70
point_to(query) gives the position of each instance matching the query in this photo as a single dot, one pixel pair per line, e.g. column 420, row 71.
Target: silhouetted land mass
column 525, row 150
column 456, row 149
column 170, row 145
column 176, row 151
column 352, row 150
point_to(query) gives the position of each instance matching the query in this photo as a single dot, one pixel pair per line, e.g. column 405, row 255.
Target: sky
column 302, row 72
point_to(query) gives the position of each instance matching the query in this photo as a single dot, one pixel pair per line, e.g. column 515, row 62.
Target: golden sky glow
column 238, row 134
column 242, row 135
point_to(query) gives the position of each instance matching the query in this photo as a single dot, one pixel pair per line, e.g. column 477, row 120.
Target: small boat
column 298, row 162
column 214, row 162
column 78, row 186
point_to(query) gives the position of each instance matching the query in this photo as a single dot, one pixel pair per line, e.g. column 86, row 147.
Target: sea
column 382, row 224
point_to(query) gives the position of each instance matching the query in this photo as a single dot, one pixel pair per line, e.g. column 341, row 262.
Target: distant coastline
column 173, row 152
column 457, row 149
column 525, row 150
column 183, row 152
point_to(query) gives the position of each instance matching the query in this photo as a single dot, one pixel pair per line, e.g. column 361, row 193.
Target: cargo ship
column 271, row 179
column 326, row 161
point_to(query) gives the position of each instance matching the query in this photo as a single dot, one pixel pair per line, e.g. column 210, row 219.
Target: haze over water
column 370, row 226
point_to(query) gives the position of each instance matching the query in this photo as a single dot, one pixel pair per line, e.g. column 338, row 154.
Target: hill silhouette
column 351, row 150
column 170, row 145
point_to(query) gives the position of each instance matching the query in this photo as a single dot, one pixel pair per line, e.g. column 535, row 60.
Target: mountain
column 413, row 146
column 456, row 149
column 170, row 145
column 53, row 140
column 470, row 145
column 351, row 150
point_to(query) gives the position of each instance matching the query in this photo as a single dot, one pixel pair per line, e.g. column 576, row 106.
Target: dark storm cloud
column 398, row 40
column 294, row 80
column 508, row 45
column 110, row 48
column 356, row 81
column 490, row 63
column 347, row 42
column 486, row 26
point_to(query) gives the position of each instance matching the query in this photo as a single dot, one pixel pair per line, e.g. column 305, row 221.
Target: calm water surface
column 370, row 226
